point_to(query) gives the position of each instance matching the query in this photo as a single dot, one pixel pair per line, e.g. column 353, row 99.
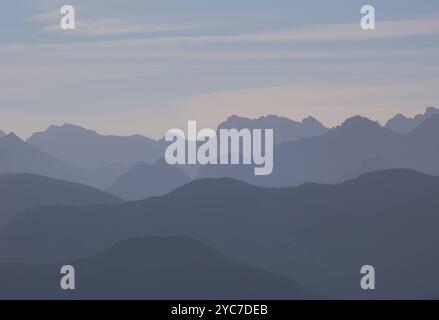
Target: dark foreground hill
column 150, row 268
column 317, row 235
column 21, row 191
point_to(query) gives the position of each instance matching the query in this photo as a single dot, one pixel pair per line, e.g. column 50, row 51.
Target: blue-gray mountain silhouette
column 88, row 149
column 104, row 176
column 402, row 124
column 150, row 268
column 17, row 156
column 146, row 180
column 21, row 191
column 317, row 235
column 357, row 146
column 2, row 133
column 284, row 128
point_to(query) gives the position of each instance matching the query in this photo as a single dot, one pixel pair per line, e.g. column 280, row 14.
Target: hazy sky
column 143, row 66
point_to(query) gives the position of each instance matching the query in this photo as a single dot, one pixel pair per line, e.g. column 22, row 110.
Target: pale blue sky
column 147, row 66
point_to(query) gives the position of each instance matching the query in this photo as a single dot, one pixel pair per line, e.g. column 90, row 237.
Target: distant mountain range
column 357, row 146
column 19, row 192
column 284, row 128
column 2, row 133
column 402, row 124
column 304, row 152
column 150, row 268
column 72, row 153
column 146, row 180
column 318, row 235
column 87, row 149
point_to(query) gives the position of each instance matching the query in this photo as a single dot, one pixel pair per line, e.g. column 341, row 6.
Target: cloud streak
column 339, row 32
column 314, row 33
column 105, row 27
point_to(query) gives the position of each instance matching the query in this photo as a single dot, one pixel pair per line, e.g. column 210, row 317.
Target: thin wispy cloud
column 46, row 17
column 117, row 27
column 93, row 26
column 103, row 27
column 313, row 33
column 186, row 47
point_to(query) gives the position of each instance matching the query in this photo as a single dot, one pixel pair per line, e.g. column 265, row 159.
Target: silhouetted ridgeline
column 17, row 156
column 317, row 235
column 284, row 128
column 357, row 146
column 150, row 268
column 305, row 152
column 87, row 149
column 145, row 180
column 22, row 191
column 403, row 124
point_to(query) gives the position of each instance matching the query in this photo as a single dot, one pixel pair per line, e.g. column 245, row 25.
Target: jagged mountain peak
column 357, row 123
column 12, row 137
column 402, row 124
column 64, row 129
column 285, row 129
